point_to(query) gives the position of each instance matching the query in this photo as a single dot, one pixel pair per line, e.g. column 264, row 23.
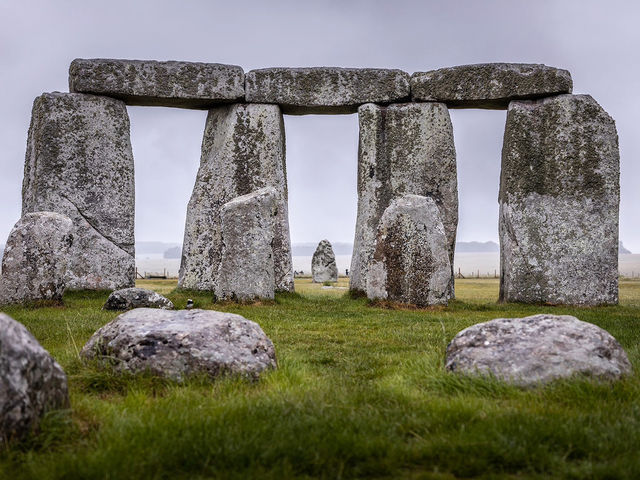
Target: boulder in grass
column 31, row 381
column 129, row 298
column 537, row 349
column 182, row 343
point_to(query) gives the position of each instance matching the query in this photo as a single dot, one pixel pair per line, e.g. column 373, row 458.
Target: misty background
column 596, row 41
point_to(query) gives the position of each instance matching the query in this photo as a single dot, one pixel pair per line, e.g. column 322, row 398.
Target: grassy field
column 360, row 392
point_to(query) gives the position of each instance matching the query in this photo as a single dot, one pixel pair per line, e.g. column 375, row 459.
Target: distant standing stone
column 182, row 343
column 36, row 258
column 411, row 260
column 246, row 269
column 79, row 163
column 323, row 264
column 128, row 298
column 489, row 85
column 31, row 381
column 537, row 349
column 559, row 200
column 301, row 91
column 167, row 84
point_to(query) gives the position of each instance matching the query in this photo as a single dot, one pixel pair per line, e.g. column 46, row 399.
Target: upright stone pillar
column 79, row 163
column 404, row 149
column 243, row 150
column 559, row 200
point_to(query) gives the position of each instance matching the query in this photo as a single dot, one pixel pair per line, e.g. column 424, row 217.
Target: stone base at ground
column 129, row 298
column 182, row 343
column 537, row 349
column 31, row 381
column 36, row 258
column 411, row 260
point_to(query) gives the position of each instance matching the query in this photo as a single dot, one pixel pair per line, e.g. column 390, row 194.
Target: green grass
column 360, row 392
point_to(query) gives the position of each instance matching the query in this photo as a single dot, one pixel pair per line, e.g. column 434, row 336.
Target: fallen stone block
column 246, row 271
column 129, row 298
column 79, row 163
column 323, row 264
column 411, row 260
column 36, row 258
column 559, row 200
column 536, row 350
column 182, row 343
column 152, row 83
column 301, row 91
column 31, row 381
column 489, row 85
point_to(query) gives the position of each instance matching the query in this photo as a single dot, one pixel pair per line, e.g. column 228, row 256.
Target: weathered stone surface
column 36, row 258
column 411, row 260
column 182, row 343
column 489, row 85
column 79, row 163
column 31, row 381
column 301, row 91
column 128, row 298
column 168, row 84
column 243, row 150
column 559, row 198
column 246, row 269
column 537, row 349
column 323, row 263
column 404, row 149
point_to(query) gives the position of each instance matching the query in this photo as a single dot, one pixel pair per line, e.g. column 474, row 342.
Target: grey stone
column 537, row 349
column 79, row 163
column 182, row 343
column 128, row 298
column 246, row 269
column 404, row 149
column 559, row 199
column 243, row 150
column 301, row 91
column 36, row 258
column 31, row 381
column 411, row 260
column 489, row 85
column 323, row 263
column 167, row 84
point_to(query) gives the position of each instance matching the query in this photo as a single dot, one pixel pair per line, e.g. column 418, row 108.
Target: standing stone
column 404, row 149
column 167, row 84
column 243, row 150
column 301, row 91
column 246, row 269
column 559, row 199
column 537, row 349
column 31, row 381
column 36, row 258
column 411, row 260
column 323, row 264
column 79, row 163
column 489, row 85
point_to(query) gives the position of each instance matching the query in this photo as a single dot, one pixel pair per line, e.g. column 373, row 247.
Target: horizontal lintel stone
column 328, row 90
column 164, row 84
column 489, row 85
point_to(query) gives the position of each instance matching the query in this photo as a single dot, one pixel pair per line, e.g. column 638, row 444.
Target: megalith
column 323, row 264
column 559, row 200
column 36, row 258
column 246, row 270
column 411, row 259
column 243, row 150
column 404, row 149
column 79, row 163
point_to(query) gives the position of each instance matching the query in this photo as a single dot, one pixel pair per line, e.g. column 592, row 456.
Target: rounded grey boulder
column 182, row 343
column 537, row 349
column 128, row 298
column 31, row 381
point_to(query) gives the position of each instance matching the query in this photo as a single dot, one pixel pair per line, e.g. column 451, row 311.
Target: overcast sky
column 597, row 41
